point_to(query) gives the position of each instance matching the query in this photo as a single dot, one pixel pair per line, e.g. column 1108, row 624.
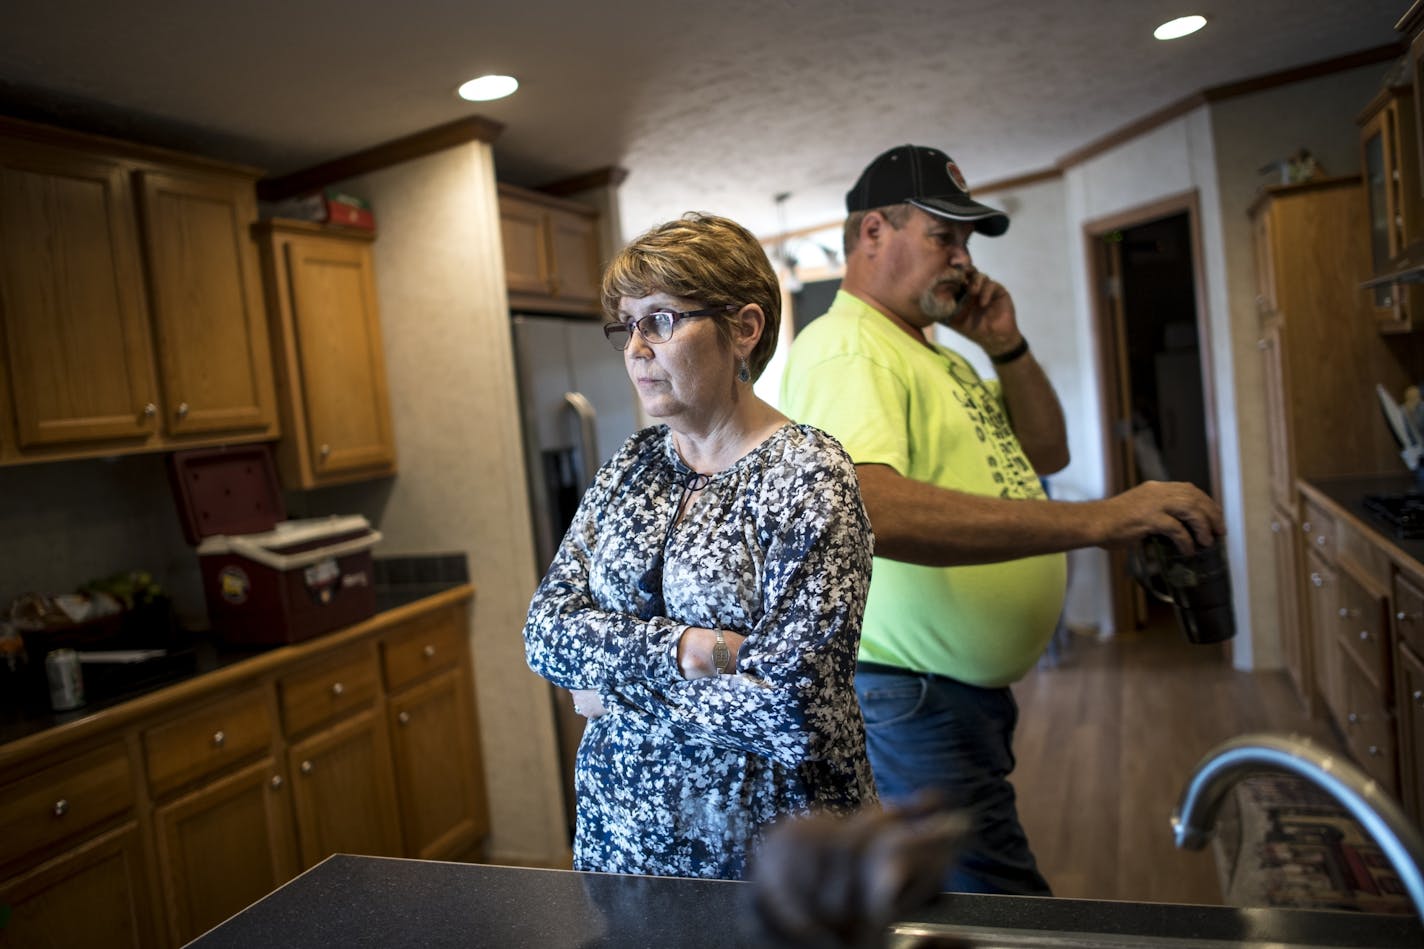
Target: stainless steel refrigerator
column 577, row 407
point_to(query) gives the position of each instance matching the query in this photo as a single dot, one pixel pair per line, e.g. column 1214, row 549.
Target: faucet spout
column 1380, row 816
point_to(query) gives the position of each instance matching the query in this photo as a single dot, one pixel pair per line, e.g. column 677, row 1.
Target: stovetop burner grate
column 1404, row 513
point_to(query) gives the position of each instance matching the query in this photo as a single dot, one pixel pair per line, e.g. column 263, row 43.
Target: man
column 970, row 568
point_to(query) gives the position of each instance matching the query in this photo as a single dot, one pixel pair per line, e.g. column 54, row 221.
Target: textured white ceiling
column 716, row 106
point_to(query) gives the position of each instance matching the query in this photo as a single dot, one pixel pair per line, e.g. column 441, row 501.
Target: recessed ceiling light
column 486, row 88
column 1181, row 26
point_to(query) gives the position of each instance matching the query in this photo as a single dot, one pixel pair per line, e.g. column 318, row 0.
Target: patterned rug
column 1281, row 841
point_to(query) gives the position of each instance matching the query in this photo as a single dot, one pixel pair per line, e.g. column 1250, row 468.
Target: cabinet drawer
column 419, row 647
column 1409, row 613
column 208, row 739
column 1364, row 630
column 1319, row 530
column 1369, row 728
column 64, row 800
column 334, row 687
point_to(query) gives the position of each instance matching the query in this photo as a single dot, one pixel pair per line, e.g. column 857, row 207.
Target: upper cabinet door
column 336, row 330
column 72, row 301
column 526, row 252
column 209, row 322
column 573, row 245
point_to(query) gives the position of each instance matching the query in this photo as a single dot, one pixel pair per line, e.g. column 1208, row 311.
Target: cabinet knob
column 428, row 652
column 150, row 410
column 1364, row 635
column 403, row 718
column 1315, row 580
column 1352, row 718
column 1418, row 697
column 337, row 688
column 1320, row 540
column 1275, row 526
column 1305, row 527
column 306, row 767
column 1260, row 343
column 1388, row 301
column 61, row 807
column 324, row 451
column 276, row 782
column 1374, row 751
column 182, row 409
column 219, row 738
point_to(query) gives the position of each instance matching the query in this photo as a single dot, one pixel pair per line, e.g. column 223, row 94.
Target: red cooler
column 268, row 580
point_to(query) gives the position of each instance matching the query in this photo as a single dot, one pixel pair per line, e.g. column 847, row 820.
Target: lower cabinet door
column 343, row 792
column 441, row 790
column 96, row 894
column 223, row 847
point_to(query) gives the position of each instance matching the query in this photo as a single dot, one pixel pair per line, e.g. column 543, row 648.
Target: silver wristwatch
column 721, row 655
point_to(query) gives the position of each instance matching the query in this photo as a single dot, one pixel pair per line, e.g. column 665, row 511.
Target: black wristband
column 1018, row 352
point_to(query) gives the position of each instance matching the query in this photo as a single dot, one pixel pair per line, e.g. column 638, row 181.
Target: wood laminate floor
column 1106, row 740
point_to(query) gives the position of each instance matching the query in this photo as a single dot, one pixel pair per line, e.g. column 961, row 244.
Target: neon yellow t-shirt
column 926, row 413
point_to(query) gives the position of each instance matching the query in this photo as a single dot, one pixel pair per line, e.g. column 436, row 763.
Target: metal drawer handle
column 150, row 410
column 182, row 409
column 306, row 767
column 337, row 688
column 61, row 807
column 276, row 782
column 219, row 738
column 428, row 652
column 403, row 718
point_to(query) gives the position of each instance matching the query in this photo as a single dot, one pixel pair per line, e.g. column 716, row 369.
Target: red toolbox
column 268, row 580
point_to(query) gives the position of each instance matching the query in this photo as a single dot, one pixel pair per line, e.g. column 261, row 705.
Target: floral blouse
column 679, row 777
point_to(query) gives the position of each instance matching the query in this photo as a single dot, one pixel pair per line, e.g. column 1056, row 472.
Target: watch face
column 721, row 655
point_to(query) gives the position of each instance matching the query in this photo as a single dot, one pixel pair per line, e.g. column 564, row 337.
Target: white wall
column 461, row 486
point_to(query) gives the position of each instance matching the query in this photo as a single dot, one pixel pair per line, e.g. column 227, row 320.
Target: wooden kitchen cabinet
column 209, row 319
column 552, row 261
column 434, row 736
column 331, row 364
column 73, row 870
column 1395, row 218
column 148, row 822
column 223, row 845
column 96, row 894
column 131, row 313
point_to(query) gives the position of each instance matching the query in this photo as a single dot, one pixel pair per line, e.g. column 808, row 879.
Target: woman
column 705, row 604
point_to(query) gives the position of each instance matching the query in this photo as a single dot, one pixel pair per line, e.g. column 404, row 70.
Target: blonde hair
column 706, row 258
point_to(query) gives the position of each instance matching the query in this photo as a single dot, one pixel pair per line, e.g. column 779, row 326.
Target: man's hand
column 986, row 316
column 1173, row 509
column 694, row 651
column 587, row 703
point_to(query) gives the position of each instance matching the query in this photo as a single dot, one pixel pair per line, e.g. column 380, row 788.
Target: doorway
column 1154, row 350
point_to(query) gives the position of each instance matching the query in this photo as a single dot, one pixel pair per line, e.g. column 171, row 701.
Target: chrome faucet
column 1226, row 764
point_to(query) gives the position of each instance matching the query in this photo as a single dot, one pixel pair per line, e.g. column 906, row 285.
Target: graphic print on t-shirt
column 1012, row 473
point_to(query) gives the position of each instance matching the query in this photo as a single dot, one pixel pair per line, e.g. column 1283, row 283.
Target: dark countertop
column 24, row 705
column 1349, row 493
column 389, row 903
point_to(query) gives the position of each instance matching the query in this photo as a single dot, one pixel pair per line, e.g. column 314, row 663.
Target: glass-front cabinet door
column 1394, row 203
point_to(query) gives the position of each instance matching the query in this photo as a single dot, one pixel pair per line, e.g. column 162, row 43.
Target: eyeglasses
column 657, row 326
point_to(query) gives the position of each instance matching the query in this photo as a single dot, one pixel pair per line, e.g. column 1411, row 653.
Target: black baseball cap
column 930, row 180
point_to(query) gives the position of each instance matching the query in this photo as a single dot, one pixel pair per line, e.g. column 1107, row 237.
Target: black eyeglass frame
column 610, row 328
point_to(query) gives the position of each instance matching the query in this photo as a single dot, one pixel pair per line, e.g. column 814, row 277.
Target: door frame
column 1109, row 331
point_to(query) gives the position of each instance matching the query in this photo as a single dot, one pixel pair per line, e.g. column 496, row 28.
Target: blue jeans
column 933, row 732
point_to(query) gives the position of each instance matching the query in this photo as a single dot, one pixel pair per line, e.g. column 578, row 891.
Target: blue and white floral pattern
column 679, row 777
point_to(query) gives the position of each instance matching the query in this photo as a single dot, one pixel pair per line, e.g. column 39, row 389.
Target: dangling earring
column 744, row 374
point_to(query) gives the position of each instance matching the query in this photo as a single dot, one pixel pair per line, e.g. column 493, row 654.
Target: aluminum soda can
column 66, row 680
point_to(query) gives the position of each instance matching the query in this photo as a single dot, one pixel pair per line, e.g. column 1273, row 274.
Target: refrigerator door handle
column 588, row 435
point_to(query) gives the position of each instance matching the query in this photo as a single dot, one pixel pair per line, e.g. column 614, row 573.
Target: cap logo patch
column 956, row 176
